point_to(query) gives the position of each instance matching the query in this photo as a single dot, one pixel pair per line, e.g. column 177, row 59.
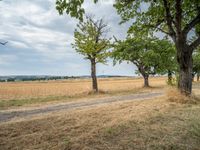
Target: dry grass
column 29, row 93
column 150, row 124
column 174, row 95
column 26, row 90
column 154, row 124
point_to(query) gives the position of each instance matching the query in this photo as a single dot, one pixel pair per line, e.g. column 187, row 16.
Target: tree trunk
column 142, row 69
column 146, row 80
column 169, row 77
column 93, row 75
column 184, row 57
column 193, row 75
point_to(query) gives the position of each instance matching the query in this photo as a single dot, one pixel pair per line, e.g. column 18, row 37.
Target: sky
column 39, row 39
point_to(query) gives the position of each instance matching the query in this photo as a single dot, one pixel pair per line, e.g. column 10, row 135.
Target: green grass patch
column 6, row 104
column 21, row 102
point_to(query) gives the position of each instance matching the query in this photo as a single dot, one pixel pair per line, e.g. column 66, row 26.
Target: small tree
column 91, row 42
column 145, row 54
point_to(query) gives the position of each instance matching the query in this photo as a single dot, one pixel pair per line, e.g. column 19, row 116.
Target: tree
column 175, row 18
column 71, row 7
column 167, row 63
column 196, row 64
column 144, row 52
column 91, row 42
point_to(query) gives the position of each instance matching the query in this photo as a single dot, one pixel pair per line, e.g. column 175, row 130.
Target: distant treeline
column 46, row 78
column 15, row 79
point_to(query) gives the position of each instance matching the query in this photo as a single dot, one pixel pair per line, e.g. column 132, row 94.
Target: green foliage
column 90, row 40
column 196, row 62
column 174, row 80
column 151, row 14
column 167, row 54
column 150, row 55
column 71, row 7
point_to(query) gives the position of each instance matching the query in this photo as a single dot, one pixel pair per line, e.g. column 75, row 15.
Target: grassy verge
column 154, row 124
column 6, row 104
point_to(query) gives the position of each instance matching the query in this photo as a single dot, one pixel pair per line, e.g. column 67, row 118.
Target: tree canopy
column 91, row 41
column 167, row 16
column 71, row 7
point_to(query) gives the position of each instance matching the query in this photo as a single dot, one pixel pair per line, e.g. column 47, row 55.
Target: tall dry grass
column 24, row 90
column 174, row 95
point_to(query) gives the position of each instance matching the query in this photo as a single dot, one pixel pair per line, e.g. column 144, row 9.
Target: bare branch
column 116, row 40
column 156, row 26
column 160, row 29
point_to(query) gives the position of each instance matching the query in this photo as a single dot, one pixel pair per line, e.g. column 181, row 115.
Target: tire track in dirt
column 9, row 115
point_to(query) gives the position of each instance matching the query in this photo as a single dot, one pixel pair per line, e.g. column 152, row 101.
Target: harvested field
column 17, row 94
column 152, row 124
column 24, row 90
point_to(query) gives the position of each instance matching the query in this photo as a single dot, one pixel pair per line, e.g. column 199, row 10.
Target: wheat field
column 22, row 90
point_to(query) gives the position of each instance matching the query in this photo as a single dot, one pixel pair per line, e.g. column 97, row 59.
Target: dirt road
column 9, row 115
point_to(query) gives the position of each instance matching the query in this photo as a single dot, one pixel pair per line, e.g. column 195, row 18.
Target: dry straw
column 174, row 95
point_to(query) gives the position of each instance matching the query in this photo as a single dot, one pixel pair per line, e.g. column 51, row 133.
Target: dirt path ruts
column 7, row 116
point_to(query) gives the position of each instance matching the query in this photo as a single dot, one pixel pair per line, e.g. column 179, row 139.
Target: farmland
column 68, row 75
column 155, row 123
column 22, row 93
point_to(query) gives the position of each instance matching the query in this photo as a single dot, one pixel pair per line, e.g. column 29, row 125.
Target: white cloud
column 18, row 44
column 7, row 59
column 40, row 37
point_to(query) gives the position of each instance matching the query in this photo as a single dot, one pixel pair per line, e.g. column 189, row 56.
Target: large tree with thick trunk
column 175, row 18
column 91, row 42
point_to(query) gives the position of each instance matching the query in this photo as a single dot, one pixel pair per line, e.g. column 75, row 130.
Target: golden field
column 26, row 90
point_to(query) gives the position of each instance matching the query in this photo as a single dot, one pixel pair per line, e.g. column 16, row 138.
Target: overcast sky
column 40, row 40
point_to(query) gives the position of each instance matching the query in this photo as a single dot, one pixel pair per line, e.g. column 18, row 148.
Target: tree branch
column 195, row 44
column 178, row 16
column 163, row 31
column 169, row 20
column 190, row 25
column 135, row 62
column 157, row 26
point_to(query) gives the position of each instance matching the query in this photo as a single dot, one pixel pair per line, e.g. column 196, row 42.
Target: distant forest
column 44, row 77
